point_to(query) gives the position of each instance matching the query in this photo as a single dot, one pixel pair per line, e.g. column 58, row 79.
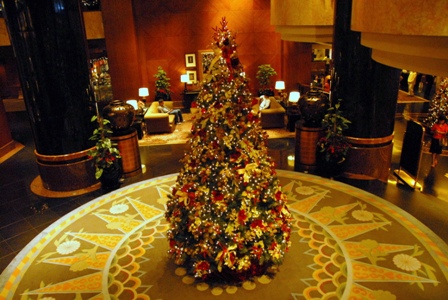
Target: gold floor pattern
column 346, row 244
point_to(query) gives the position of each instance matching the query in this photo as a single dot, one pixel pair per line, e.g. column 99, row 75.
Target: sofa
column 272, row 117
column 157, row 122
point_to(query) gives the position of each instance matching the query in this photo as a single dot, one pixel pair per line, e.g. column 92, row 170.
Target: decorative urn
column 313, row 107
column 120, row 114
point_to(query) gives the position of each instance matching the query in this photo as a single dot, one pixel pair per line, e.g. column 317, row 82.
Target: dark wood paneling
column 122, row 51
column 167, row 30
column 296, row 61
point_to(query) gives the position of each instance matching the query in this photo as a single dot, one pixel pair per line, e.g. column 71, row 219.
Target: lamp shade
column 184, row 78
column 294, row 96
column 134, row 103
column 143, row 92
column 279, row 85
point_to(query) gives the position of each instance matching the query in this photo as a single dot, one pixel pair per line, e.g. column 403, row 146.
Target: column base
column 38, row 188
column 67, row 172
column 369, row 158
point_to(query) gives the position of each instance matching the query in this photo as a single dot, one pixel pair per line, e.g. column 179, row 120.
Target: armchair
column 157, row 122
column 272, row 117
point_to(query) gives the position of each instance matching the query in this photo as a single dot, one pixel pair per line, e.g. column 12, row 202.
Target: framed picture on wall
column 192, row 77
column 190, row 60
column 205, row 58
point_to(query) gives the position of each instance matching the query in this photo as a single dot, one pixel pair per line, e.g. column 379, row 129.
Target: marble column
column 369, row 92
column 48, row 39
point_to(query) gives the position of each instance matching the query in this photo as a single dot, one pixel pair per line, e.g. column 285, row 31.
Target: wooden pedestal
column 130, row 154
column 306, row 145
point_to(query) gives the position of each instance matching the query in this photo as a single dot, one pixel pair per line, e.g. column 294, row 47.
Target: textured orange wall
column 167, row 30
column 302, row 12
column 427, row 18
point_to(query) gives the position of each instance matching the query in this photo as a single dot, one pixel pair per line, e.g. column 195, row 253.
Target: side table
column 293, row 116
column 188, row 98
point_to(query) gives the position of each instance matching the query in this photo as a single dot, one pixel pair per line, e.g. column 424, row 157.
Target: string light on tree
column 439, row 104
column 228, row 216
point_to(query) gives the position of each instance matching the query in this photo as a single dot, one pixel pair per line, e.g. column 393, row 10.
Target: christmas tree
column 439, row 104
column 228, row 216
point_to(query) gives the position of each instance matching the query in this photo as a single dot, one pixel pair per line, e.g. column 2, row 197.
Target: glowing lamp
column 280, row 85
column 294, row 97
column 134, row 103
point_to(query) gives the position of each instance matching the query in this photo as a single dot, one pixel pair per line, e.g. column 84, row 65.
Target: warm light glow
column 291, row 160
column 134, row 103
column 184, row 78
column 279, row 85
column 143, row 92
column 294, row 96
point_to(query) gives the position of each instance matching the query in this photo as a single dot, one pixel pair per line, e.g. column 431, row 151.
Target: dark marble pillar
column 369, row 91
column 49, row 43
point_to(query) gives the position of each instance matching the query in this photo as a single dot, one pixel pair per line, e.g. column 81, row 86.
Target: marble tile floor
column 23, row 214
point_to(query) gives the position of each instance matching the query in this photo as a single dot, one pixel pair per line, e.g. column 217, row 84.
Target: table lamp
column 143, row 92
column 279, row 86
column 294, row 97
column 293, row 110
column 184, row 79
column 134, row 103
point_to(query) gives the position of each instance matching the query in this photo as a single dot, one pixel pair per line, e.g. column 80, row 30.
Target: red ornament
column 242, row 217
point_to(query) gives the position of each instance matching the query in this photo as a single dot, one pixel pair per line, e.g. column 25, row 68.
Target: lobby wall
column 141, row 35
column 167, row 30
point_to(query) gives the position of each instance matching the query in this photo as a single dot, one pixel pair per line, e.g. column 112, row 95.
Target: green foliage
column 334, row 145
column 227, row 214
column 105, row 153
column 162, row 81
column 264, row 74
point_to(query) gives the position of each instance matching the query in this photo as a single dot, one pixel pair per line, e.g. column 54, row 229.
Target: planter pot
column 163, row 96
column 267, row 92
column 332, row 168
column 110, row 179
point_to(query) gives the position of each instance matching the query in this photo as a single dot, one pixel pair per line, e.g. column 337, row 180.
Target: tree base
column 236, row 278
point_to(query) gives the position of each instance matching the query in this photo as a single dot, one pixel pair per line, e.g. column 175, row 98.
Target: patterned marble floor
column 347, row 244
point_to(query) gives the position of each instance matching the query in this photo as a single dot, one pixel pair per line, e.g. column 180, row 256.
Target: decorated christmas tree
column 439, row 104
column 228, row 216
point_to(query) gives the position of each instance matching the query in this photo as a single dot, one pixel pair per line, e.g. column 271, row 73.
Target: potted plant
column 106, row 156
column 162, row 85
column 264, row 74
column 333, row 146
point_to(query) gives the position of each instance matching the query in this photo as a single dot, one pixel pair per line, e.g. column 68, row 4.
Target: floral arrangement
column 334, row 145
column 105, row 154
